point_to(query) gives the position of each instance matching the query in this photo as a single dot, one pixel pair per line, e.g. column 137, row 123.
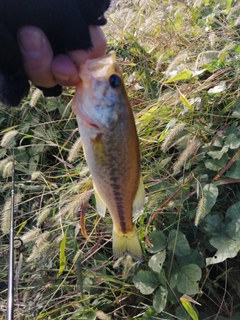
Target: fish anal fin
column 100, row 204
column 138, row 202
column 127, row 243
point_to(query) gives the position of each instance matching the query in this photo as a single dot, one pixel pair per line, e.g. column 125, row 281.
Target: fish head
column 100, row 97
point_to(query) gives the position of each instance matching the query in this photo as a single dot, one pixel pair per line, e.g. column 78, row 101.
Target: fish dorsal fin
column 139, row 198
column 100, row 204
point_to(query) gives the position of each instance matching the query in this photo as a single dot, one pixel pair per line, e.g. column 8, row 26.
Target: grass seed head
column 190, row 149
column 31, row 235
column 201, row 211
column 71, row 207
column 36, row 175
column 171, row 135
column 5, row 217
column 35, row 97
column 43, row 214
column 8, row 169
column 4, row 162
column 5, row 214
column 38, row 250
column 8, row 139
column 74, row 153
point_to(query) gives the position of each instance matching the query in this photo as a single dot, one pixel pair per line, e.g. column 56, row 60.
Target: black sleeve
column 65, row 23
column 13, row 83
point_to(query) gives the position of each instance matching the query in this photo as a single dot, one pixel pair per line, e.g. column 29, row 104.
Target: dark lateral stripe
column 120, row 209
column 115, row 186
column 121, row 216
column 113, row 178
column 118, row 199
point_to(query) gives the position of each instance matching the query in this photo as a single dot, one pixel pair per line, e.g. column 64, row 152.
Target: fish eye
column 114, row 81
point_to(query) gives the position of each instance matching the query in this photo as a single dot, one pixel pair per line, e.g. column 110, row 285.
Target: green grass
column 181, row 67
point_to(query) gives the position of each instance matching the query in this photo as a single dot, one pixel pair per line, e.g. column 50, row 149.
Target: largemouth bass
column 111, row 148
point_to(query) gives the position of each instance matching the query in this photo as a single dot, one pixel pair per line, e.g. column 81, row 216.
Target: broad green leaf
column 158, row 241
column 232, row 129
column 174, row 276
column 162, row 278
column 219, row 142
column 217, row 165
column 194, row 257
column 226, row 235
column 185, row 101
column 232, row 141
column 227, row 248
column 233, row 226
column 236, row 112
column 188, row 279
column 156, row 261
column 160, row 299
column 213, row 225
column 145, row 281
column 51, row 105
column 210, row 193
column 178, row 243
column 217, row 154
column 184, row 74
column 228, row 245
column 62, row 257
column 233, row 213
column 188, row 307
column 234, row 171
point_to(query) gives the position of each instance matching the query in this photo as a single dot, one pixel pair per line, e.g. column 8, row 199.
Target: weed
column 181, row 66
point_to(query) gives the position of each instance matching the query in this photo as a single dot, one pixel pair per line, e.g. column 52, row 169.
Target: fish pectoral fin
column 100, row 204
column 127, row 243
column 138, row 202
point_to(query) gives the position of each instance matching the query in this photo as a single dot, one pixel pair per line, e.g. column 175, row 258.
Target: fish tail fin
column 127, row 243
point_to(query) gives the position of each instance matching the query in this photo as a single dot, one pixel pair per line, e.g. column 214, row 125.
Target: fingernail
column 31, row 42
column 62, row 76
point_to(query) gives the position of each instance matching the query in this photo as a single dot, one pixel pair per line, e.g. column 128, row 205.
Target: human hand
column 48, row 32
column 46, row 70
